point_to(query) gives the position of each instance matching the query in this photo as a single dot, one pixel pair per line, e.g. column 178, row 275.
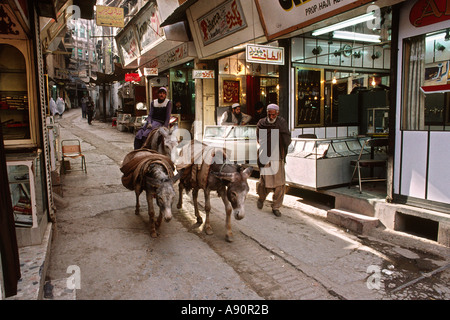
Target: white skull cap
column 273, row 106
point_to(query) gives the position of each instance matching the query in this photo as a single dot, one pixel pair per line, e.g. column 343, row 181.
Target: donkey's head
column 166, row 143
column 237, row 188
column 164, row 192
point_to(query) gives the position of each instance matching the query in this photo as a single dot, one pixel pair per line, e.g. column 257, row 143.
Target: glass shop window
column 309, row 105
column 426, row 93
column 14, row 107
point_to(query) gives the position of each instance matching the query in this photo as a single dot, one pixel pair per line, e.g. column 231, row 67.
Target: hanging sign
column 264, row 54
column 203, row 74
column 150, row 71
column 222, row 21
column 109, row 16
column 132, row 77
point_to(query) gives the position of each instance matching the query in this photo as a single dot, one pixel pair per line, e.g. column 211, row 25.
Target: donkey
column 230, row 182
column 161, row 141
column 149, row 171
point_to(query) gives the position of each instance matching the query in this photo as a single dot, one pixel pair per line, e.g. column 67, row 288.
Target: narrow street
column 298, row 256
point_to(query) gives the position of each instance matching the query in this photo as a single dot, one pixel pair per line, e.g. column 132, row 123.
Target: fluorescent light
column 438, row 36
column 356, row 36
column 351, row 22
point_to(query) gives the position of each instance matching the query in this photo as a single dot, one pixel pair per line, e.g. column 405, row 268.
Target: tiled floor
column 33, row 263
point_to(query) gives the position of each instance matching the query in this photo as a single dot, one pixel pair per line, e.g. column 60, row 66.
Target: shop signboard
column 150, row 71
column 222, row 21
column 281, row 17
column 148, row 29
column 128, row 46
column 427, row 12
column 203, row 74
column 109, row 16
column 264, row 54
column 172, row 56
column 132, row 77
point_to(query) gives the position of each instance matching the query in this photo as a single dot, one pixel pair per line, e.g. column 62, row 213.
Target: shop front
column 162, row 56
column 339, row 78
column 23, row 124
column 221, row 35
column 423, row 115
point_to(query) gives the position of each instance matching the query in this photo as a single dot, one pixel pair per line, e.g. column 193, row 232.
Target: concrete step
column 58, row 290
column 353, row 221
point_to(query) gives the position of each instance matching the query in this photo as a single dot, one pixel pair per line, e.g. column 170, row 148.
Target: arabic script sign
column 222, row 21
column 203, row 74
column 109, row 16
column 264, row 54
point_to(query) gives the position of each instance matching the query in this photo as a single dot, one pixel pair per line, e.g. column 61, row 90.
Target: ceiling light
column 356, row 36
column 350, row 22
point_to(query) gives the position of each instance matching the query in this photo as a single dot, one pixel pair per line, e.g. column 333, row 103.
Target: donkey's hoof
column 229, row 238
column 136, row 212
column 179, row 206
column 199, row 220
column 209, row 231
column 153, row 234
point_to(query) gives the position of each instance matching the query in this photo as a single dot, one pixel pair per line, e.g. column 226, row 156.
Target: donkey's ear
column 247, row 172
column 176, row 177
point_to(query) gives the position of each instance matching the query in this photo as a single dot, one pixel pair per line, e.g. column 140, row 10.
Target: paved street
column 298, row 256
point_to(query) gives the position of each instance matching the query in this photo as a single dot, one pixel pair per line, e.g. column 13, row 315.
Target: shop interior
column 342, row 74
column 246, row 83
column 14, row 109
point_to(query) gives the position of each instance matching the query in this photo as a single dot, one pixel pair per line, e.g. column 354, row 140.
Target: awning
column 179, row 14
column 435, row 89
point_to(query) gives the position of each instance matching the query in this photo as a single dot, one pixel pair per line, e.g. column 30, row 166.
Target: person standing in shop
column 90, row 106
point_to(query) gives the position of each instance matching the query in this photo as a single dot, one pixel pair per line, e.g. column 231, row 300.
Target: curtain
column 8, row 243
column 414, row 75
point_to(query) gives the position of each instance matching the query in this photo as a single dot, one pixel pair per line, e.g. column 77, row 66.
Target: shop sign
column 128, row 46
column 203, row 74
column 174, row 55
column 149, row 31
column 109, row 16
column 264, row 54
column 283, row 16
column 150, row 71
column 132, row 77
column 426, row 12
column 222, row 21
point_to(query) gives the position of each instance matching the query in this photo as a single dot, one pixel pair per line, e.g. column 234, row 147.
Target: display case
column 321, row 163
column 239, row 141
column 27, row 188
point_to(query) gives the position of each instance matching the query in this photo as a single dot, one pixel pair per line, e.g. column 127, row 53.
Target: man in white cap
column 159, row 115
column 274, row 139
column 235, row 116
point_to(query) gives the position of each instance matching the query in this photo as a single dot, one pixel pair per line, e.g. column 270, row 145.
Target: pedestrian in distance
column 273, row 138
column 234, row 116
column 84, row 101
column 159, row 115
column 90, row 106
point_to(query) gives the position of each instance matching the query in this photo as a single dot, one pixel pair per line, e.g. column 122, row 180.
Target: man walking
column 273, row 138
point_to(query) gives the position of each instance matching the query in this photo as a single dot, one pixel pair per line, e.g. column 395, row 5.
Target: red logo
column 426, row 12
